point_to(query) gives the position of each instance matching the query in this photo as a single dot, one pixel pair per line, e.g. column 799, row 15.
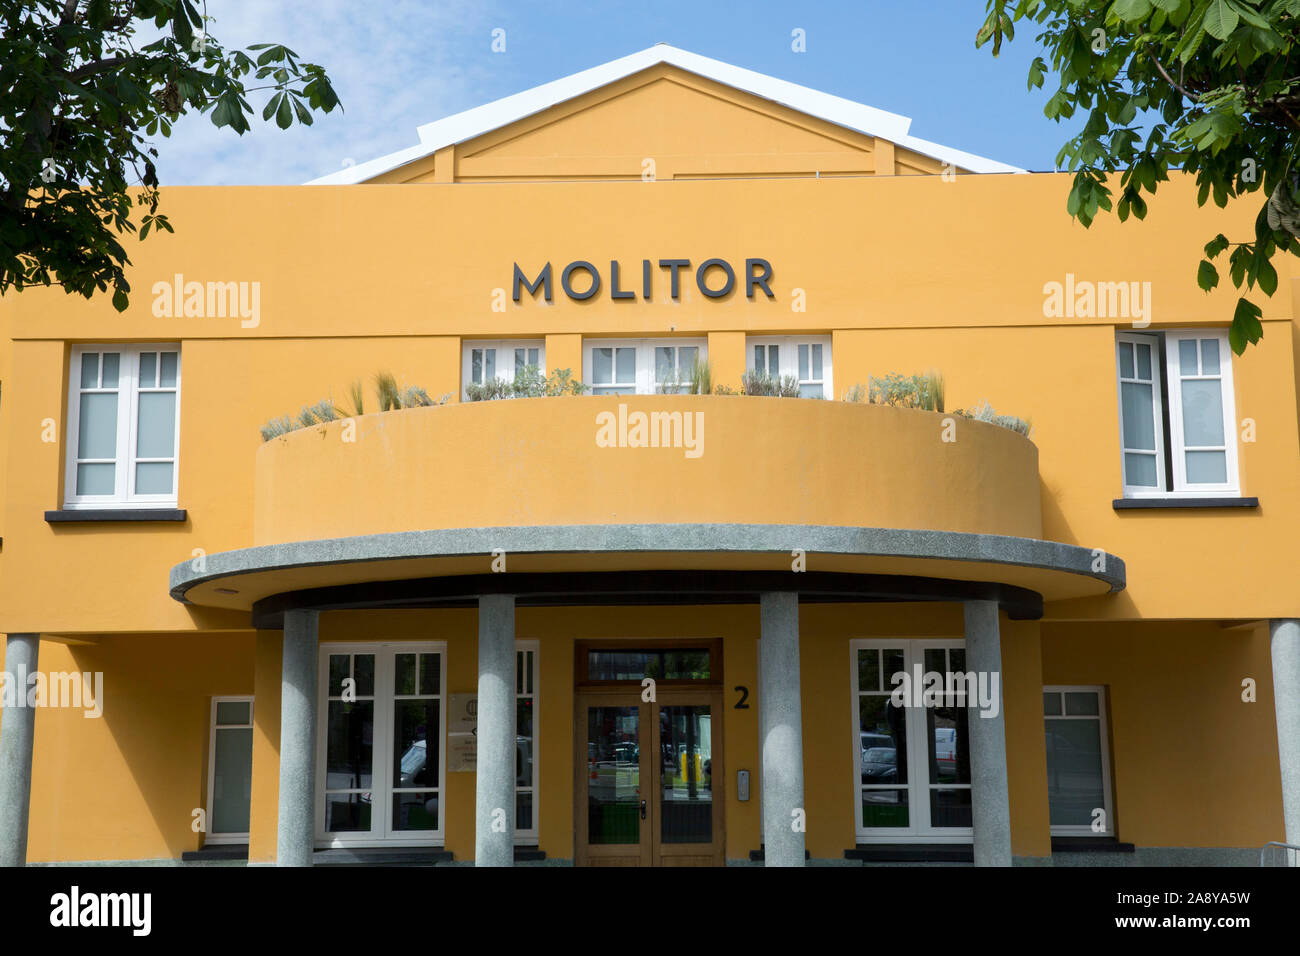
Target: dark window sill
column 759, row 855
column 912, row 853
column 381, row 856
column 1144, row 504
column 1064, row 844
column 115, row 514
column 216, row 851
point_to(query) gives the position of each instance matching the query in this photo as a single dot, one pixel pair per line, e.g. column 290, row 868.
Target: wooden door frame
column 669, row 693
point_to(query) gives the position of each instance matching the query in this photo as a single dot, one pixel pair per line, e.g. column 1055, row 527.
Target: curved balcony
column 409, row 506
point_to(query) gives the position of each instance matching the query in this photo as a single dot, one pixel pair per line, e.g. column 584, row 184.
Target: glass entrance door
column 646, row 792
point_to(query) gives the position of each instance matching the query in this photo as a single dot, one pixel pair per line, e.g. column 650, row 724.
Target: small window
column 806, row 359
column 485, row 361
column 642, row 366
column 637, row 664
column 527, row 656
column 1177, row 420
column 1078, row 761
column 230, row 770
column 123, row 426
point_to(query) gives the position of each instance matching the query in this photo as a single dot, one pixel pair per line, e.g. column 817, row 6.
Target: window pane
column 523, row 745
column 415, row 811
column 404, row 676
column 614, row 775
column 1209, row 356
column 664, row 364
column 1187, row 357
column 96, row 479
column 232, row 780
column 156, row 425
column 882, row 734
column 349, row 754
column 363, row 669
column 1144, row 362
column 340, row 667
column 811, row 391
column 148, row 369
column 1202, row 413
column 1074, row 781
column 884, row 808
column 935, row 660
column 97, row 429
column 490, row 363
column 521, row 360
column 476, row 366
column 893, row 659
column 1126, row 359
column 154, row 478
column 869, row 669
column 774, row 360
column 686, row 356
column 686, row 810
column 626, row 359
column 90, row 370
column 523, row 811
column 1207, row 467
column 950, row 808
column 803, row 362
column 167, row 378
column 233, row 712
column 1140, row 471
column 415, row 744
column 1051, row 703
column 1081, row 704
column 430, row 674
column 817, row 362
column 602, row 365
column 535, row 357
column 346, row 812
column 1139, row 416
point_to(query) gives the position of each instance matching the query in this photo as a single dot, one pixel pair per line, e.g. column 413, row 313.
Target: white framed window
column 641, row 366
column 911, row 765
column 1078, row 761
column 806, row 358
column 381, row 764
column 230, row 770
column 527, row 687
column 482, row 360
column 123, row 426
column 1177, row 414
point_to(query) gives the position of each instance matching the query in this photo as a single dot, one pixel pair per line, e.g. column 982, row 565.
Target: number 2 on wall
column 744, row 697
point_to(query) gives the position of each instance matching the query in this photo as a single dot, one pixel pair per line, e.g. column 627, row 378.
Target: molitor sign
column 715, row 278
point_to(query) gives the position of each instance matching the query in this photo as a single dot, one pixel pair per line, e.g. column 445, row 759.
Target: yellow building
column 672, row 619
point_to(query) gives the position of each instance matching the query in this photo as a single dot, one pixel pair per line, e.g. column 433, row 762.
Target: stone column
column 1284, row 642
column 988, row 742
column 494, row 808
column 296, row 829
column 17, row 731
column 781, row 730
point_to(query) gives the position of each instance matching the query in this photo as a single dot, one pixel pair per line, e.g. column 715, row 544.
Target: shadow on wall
column 125, row 785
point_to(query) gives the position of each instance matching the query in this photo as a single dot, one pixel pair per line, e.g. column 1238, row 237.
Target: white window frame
column 788, row 358
column 1182, row 486
column 505, row 371
column 1104, row 737
column 529, row 836
column 919, row 829
column 128, row 399
column 210, row 838
column 381, row 820
column 644, row 383
column 1170, row 447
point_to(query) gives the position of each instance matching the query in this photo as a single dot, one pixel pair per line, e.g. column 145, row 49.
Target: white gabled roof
column 834, row 109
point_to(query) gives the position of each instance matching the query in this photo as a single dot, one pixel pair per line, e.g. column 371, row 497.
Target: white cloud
column 395, row 65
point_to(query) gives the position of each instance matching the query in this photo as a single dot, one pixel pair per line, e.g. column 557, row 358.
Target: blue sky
column 403, row 63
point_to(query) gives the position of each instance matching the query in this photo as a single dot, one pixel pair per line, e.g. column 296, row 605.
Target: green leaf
column 1221, row 18
column 1036, row 71
column 120, row 300
column 1207, row 277
column 1246, row 326
column 284, row 114
column 1132, row 11
column 1216, row 245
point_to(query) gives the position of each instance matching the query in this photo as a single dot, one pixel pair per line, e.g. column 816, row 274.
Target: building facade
column 671, row 620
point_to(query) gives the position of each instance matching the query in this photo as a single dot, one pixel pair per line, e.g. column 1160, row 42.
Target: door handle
column 642, row 809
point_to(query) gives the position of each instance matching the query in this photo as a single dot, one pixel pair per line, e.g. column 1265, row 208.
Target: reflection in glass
column 613, row 775
column 349, row 745
column 1074, row 778
column 681, row 664
column 232, row 778
column 686, row 741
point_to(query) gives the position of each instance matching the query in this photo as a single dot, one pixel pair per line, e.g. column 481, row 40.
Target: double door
column 649, row 788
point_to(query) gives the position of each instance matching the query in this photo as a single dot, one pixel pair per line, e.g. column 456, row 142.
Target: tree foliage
column 81, row 98
column 1211, row 87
